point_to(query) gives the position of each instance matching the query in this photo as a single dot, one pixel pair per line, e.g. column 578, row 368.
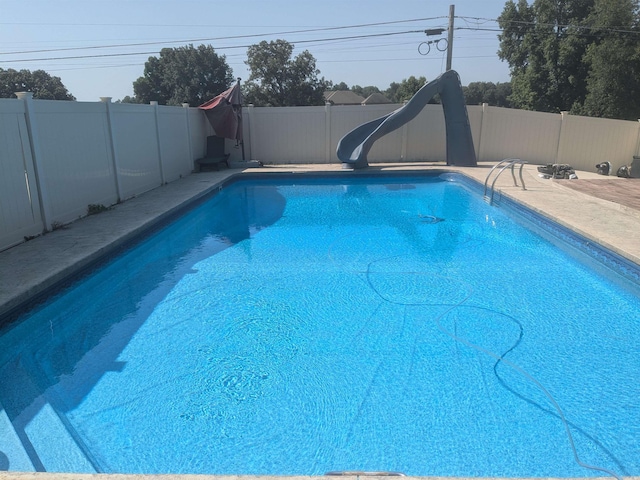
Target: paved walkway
column 31, row 268
column 623, row 191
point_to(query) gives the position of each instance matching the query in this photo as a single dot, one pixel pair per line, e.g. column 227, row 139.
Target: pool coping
column 44, row 263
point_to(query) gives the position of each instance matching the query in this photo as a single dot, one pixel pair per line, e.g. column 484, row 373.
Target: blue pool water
column 311, row 325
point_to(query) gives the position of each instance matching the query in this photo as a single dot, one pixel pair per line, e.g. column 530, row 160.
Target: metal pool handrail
column 507, row 162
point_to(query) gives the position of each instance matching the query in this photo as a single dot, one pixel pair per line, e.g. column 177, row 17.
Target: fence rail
column 56, row 158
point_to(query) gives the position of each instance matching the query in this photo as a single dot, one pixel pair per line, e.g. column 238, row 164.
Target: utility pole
column 452, row 10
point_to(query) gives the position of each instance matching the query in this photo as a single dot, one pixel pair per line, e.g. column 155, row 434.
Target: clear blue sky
column 42, row 29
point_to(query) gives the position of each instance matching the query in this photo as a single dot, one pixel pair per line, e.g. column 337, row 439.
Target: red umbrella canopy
column 224, row 113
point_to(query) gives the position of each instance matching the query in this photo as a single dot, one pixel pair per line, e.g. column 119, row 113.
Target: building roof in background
column 376, row 98
column 343, row 97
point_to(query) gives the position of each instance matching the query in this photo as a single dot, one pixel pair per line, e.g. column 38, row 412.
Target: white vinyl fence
column 57, row 158
column 311, row 134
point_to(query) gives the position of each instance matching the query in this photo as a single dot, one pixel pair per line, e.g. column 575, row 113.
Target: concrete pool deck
column 31, row 268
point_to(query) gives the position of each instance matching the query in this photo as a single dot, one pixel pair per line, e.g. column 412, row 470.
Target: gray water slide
column 355, row 145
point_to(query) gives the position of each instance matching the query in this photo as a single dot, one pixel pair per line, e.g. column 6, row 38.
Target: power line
column 325, row 41
column 228, row 56
column 311, row 30
column 208, row 25
column 233, row 37
column 386, row 60
column 105, row 55
column 415, row 59
column 476, row 29
column 72, row 66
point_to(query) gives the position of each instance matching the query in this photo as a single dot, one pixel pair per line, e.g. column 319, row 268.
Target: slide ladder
column 506, row 163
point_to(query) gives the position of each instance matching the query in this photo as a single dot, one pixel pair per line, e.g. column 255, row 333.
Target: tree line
column 43, row 85
column 196, row 74
column 476, row 93
column 581, row 56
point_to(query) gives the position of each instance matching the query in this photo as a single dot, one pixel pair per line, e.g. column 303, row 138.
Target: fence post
column 112, row 144
column 405, row 139
column 327, row 127
column 186, row 109
column 252, row 131
column 36, row 155
column 638, row 140
column 563, row 118
column 485, row 107
column 155, row 109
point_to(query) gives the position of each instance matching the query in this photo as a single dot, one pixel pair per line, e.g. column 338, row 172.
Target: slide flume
column 354, row 146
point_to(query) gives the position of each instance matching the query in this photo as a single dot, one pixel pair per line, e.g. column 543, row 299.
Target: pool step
column 46, row 430
column 35, row 435
column 13, row 455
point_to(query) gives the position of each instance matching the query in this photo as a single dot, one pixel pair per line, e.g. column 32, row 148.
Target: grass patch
column 95, row 208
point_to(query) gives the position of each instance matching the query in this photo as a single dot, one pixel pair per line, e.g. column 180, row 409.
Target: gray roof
column 343, row 97
column 376, row 98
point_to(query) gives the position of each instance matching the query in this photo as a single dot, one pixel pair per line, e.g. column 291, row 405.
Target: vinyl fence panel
column 19, row 206
column 588, row 141
column 530, row 136
column 199, row 129
column 174, row 143
column 76, row 156
column 137, row 149
column 426, row 139
column 288, row 134
column 344, row 118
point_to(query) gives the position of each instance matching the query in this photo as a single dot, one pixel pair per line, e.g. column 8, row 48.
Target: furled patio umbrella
column 224, row 113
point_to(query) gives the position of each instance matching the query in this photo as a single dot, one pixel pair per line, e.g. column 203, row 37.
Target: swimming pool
column 298, row 326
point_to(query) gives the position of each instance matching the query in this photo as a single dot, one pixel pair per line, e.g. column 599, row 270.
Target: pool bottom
column 379, row 273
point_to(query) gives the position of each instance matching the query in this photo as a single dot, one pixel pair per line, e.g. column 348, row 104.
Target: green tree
column 544, row 44
column 577, row 55
column 473, row 93
column 127, row 99
column 277, row 80
column 183, row 74
column 503, row 93
column 365, row 91
column 391, row 92
column 339, row 86
column 407, row 88
column 477, row 93
column 43, row 85
column 613, row 59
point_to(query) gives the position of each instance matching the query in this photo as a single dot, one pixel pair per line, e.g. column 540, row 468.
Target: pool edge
column 151, row 223
column 120, row 476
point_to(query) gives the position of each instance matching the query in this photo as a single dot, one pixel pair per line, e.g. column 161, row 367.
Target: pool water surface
column 300, row 326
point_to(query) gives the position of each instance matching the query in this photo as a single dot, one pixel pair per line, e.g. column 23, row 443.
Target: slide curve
column 354, row 146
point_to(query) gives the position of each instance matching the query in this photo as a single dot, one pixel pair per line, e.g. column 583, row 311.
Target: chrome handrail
column 506, row 163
